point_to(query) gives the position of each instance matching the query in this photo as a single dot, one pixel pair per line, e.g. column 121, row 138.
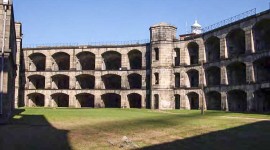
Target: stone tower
column 162, row 36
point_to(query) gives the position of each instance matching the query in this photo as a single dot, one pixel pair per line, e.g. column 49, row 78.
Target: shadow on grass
column 32, row 132
column 250, row 136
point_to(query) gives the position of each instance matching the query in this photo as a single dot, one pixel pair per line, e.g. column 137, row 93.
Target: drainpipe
column 5, row 4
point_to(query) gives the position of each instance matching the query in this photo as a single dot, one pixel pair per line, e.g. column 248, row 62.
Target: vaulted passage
column 135, row 81
column 36, row 82
column 85, row 81
column 86, row 61
column 261, row 32
column 236, row 73
column 262, row 69
column 262, row 100
column 193, row 100
column 60, row 82
column 61, row 99
column 112, row 60
column 212, row 46
column 193, row 76
column 135, row 59
column 193, row 50
column 177, row 101
column 213, row 100
column 237, row 100
column 111, row 100
column 86, row 100
column 135, row 100
column 111, row 81
column 61, row 61
column 38, row 62
column 213, row 76
column 37, row 99
column 236, row 44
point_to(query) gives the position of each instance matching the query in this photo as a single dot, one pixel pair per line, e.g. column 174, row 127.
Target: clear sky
column 83, row 21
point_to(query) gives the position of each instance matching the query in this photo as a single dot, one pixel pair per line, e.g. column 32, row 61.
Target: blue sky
column 83, row 21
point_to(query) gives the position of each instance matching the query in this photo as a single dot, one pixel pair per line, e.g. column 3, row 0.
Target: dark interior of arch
column 135, row 81
column 86, row 81
column 86, row 100
column 212, row 46
column 193, row 100
column 236, row 73
column 39, row 60
column 61, row 81
column 37, row 99
column 156, row 101
column 86, row 60
column 135, row 59
column 262, row 69
column 62, row 100
column 38, row 81
column 111, row 100
column 62, row 60
column 193, row 49
column 262, row 103
column 177, row 57
column 193, row 76
column 112, row 81
column 112, row 60
column 237, row 101
column 135, row 100
column 213, row 76
column 213, row 101
column 236, row 44
column 177, row 101
column 177, row 80
column 262, row 35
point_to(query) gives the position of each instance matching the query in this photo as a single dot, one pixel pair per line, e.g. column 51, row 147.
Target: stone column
column 223, row 47
column 143, row 81
column 250, row 76
column 224, row 101
column 72, row 81
column 143, row 60
column 250, row 100
column 48, row 81
column 72, row 61
column 98, row 80
column 249, row 41
column 72, row 99
column 124, row 62
column 47, row 99
column 49, row 62
column 99, row 61
column 223, row 73
column 98, row 101
column 124, row 80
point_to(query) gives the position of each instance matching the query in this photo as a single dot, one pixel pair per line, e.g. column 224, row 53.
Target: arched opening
column 135, row 100
column 135, row 59
column 193, row 100
column 112, row 60
column 177, row 80
column 111, row 81
column 135, row 81
column 237, row 100
column 262, row 69
column 111, row 100
column 62, row 61
column 193, row 50
column 213, row 76
column 177, row 57
column 38, row 62
column 86, row 100
column 177, row 102
column 156, row 78
column 86, row 60
column 61, row 99
column 236, row 73
column 193, row 76
column 213, row 100
column 261, row 32
column 36, row 82
column 156, row 101
column 85, row 81
column 262, row 100
column 37, row 99
column 236, row 44
column 60, row 82
column 156, row 53
column 212, row 47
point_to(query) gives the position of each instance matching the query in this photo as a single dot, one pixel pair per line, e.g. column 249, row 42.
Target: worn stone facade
column 227, row 68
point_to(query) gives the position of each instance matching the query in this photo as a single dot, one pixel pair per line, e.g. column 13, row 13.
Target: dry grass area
column 83, row 129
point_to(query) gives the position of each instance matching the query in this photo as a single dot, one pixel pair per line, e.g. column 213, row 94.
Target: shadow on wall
column 32, row 132
column 251, row 136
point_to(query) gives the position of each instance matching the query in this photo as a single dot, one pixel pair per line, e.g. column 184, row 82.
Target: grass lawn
column 48, row 129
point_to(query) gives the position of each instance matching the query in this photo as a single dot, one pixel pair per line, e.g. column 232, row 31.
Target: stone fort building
column 223, row 68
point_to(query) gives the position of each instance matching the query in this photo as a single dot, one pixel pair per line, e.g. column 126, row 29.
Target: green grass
column 45, row 128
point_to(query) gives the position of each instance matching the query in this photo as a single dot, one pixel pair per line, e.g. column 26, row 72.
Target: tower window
column 156, row 78
column 156, row 54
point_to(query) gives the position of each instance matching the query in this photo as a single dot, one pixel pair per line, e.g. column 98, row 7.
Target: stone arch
column 85, row 100
column 237, row 100
column 38, row 62
column 135, row 81
column 62, row 61
column 85, row 81
column 193, row 76
column 61, row 99
column 261, row 32
column 86, row 60
column 212, row 48
column 135, row 59
column 111, row 81
column 177, row 101
column 36, row 82
column 135, row 100
column 262, row 69
column 60, row 81
column 213, row 76
column 111, row 100
column 213, row 100
column 236, row 73
column 262, row 100
column 37, row 99
column 193, row 99
column 236, row 44
column 112, row 60
column 193, row 51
